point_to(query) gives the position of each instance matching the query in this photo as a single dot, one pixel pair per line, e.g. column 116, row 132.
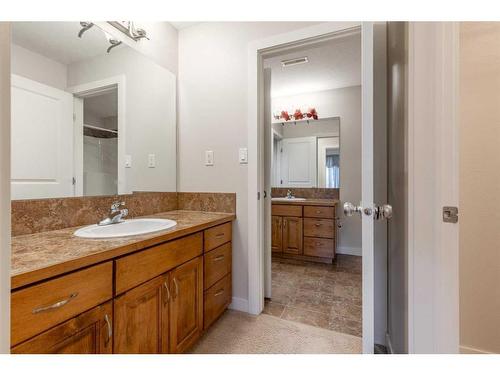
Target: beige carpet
column 240, row 333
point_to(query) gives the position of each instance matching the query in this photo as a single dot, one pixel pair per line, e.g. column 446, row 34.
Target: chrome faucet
column 116, row 214
column 289, row 194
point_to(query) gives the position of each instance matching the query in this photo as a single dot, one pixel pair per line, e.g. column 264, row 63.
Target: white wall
column 344, row 104
column 150, row 123
column 4, row 187
column 39, row 68
column 212, row 110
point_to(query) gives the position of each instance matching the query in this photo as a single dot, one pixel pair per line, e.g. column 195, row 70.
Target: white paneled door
column 298, row 162
column 42, row 140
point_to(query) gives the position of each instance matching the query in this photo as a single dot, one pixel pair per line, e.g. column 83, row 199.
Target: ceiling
column 59, row 40
column 332, row 64
column 183, row 25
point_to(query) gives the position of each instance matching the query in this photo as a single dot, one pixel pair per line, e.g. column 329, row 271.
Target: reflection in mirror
column 306, row 154
column 88, row 119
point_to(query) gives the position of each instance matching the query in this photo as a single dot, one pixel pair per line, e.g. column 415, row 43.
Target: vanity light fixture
column 85, row 26
column 130, row 30
column 113, row 41
column 295, row 61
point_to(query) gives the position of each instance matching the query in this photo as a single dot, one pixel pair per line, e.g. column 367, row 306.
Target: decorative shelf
column 307, row 120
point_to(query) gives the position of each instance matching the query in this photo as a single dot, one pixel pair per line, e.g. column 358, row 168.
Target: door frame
column 5, row 206
column 433, row 149
column 93, row 87
column 255, row 120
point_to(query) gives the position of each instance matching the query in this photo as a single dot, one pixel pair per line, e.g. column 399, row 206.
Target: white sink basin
column 131, row 227
column 285, row 199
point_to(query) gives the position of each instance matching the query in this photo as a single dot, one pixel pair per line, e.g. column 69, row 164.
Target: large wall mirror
column 306, row 154
column 88, row 119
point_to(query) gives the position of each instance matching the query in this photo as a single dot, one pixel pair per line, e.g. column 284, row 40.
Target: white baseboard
column 468, row 350
column 239, row 304
column 349, row 250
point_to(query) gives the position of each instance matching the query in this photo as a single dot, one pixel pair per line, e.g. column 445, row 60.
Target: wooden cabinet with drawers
column 217, row 271
column 155, row 300
column 304, row 231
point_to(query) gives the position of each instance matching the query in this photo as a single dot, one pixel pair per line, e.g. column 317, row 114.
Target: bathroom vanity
column 154, row 293
column 304, row 229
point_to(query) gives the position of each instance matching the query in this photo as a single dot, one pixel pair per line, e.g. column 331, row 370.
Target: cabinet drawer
column 319, row 228
column 319, row 247
column 319, row 211
column 37, row 308
column 216, row 236
column 216, row 265
column 87, row 333
column 286, row 210
column 217, row 299
column 142, row 266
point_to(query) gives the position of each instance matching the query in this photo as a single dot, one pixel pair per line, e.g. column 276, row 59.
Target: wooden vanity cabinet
column 303, row 232
column 276, row 234
column 150, row 301
column 87, row 333
column 142, row 318
column 186, row 306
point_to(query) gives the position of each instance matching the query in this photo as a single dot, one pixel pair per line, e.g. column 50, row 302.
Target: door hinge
column 258, row 195
column 74, row 116
column 73, row 181
column 450, row 214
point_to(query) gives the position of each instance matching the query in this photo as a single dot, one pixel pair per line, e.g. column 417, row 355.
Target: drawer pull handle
column 110, row 328
column 165, row 285
column 176, row 288
column 55, row 305
column 318, row 211
column 219, row 258
column 317, row 224
column 219, row 292
column 219, row 235
column 318, row 243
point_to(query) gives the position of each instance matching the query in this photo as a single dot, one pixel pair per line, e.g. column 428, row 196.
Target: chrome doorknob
column 386, row 211
column 350, row 209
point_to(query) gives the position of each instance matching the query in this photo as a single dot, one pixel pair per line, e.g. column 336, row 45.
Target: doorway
column 373, row 73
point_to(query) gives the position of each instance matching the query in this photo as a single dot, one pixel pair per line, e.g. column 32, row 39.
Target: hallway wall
column 479, row 187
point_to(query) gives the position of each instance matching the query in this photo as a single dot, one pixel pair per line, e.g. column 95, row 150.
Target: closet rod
column 103, row 129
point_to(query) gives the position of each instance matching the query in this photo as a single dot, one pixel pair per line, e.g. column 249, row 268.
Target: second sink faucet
column 289, row 194
column 116, row 214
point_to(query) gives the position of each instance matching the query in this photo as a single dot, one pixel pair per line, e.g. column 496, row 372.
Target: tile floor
column 323, row 295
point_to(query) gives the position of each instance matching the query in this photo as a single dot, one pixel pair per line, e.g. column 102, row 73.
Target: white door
column 298, row 162
column 373, row 208
column 42, row 140
column 268, row 156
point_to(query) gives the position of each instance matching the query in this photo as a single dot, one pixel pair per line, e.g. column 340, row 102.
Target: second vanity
column 304, row 229
column 154, row 293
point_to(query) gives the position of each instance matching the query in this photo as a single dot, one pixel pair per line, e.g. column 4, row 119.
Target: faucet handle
column 117, row 205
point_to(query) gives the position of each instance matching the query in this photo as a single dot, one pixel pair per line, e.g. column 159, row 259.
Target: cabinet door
column 277, row 234
column 87, row 333
column 292, row 235
column 141, row 318
column 186, row 307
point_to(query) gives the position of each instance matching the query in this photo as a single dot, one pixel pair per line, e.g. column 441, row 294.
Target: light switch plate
column 128, row 161
column 243, row 155
column 209, row 157
column 151, row 161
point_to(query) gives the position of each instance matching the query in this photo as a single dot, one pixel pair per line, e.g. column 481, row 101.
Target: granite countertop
column 309, row 202
column 40, row 256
